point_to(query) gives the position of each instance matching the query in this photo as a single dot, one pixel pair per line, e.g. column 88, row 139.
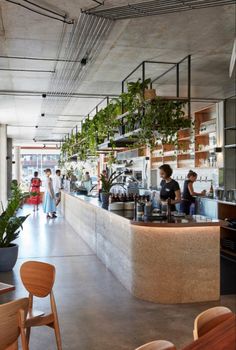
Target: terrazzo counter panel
column 172, row 263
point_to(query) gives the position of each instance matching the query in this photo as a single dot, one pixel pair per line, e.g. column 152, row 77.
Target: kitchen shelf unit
column 195, row 148
column 204, row 136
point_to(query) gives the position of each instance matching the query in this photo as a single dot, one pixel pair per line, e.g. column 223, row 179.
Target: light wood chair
column 12, row 320
column 38, row 278
column 209, row 319
column 158, row 345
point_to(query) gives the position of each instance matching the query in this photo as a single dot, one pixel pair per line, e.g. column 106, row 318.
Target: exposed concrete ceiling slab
column 206, row 34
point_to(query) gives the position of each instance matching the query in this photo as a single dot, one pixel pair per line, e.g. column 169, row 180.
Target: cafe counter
column 161, row 262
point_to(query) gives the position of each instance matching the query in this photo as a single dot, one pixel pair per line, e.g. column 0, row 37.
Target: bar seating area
column 117, row 175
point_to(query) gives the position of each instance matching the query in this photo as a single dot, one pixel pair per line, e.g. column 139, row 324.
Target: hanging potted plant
column 161, row 122
column 107, row 184
column 140, row 90
column 10, row 225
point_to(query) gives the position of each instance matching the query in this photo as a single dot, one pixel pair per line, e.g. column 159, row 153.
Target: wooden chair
column 12, row 320
column 158, row 345
column 38, row 278
column 209, row 319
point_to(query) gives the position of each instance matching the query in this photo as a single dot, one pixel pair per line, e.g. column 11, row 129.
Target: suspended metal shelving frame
column 153, row 8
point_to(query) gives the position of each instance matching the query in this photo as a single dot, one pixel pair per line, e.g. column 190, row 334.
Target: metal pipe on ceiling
column 47, row 59
column 26, row 70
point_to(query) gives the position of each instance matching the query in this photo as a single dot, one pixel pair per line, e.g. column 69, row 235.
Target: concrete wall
column 3, row 164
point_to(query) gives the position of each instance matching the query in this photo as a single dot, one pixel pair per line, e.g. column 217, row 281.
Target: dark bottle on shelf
column 211, row 191
column 169, row 209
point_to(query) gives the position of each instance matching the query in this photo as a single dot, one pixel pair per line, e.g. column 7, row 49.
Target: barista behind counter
column 169, row 188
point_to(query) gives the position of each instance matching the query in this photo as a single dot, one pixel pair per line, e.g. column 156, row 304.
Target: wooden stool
column 38, row 278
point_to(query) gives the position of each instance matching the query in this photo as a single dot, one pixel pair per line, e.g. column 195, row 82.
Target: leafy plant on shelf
column 157, row 120
column 132, row 102
column 10, row 223
column 161, row 122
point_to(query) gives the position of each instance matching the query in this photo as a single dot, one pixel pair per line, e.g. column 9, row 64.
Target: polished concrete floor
column 96, row 312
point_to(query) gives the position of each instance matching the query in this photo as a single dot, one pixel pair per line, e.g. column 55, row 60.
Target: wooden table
column 5, row 288
column 222, row 337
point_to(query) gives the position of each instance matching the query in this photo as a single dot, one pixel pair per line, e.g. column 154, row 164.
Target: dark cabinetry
column 230, row 143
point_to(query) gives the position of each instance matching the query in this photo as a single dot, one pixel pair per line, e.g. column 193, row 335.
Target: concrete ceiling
column 206, row 34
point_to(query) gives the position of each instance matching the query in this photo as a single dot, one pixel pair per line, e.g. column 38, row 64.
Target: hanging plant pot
column 105, row 200
column 149, row 94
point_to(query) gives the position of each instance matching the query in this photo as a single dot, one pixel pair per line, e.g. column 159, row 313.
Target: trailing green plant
column 10, row 223
column 161, row 121
column 109, row 182
column 157, row 121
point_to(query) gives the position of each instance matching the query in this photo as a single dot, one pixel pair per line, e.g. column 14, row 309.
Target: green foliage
column 161, row 121
column 10, row 224
column 108, row 183
column 158, row 120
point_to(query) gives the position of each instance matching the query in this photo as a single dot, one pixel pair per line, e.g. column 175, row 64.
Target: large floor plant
column 10, row 226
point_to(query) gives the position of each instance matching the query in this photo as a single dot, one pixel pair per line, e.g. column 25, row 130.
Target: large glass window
column 37, row 162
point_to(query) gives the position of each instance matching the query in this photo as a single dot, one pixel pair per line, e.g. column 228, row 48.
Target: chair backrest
column 209, row 319
column 9, row 321
column 38, row 277
column 158, row 345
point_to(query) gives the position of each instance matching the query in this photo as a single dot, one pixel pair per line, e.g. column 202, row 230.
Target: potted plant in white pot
column 107, row 184
column 10, row 226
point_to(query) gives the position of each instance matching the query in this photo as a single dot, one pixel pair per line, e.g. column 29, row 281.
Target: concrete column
column 17, row 164
column 9, row 166
column 3, row 164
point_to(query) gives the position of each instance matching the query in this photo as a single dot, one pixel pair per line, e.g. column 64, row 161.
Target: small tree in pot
column 107, row 184
column 10, row 225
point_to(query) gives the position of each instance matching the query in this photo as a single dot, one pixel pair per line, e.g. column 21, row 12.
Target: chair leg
column 28, row 335
column 56, row 322
column 22, row 330
column 28, row 330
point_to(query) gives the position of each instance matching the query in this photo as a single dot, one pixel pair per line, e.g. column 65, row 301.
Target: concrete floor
column 96, row 312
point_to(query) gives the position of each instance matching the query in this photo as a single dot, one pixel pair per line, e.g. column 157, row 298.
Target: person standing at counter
column 169, row 187
column 188, row 196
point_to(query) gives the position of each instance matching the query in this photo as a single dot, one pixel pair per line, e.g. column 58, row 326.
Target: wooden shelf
column 205, row 134
column 205, row 151
column 187, row 138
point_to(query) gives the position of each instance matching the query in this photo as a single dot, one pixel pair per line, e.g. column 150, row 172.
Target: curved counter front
column 160, row 262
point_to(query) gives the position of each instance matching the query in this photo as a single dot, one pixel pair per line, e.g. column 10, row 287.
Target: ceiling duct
column 154, row 7
column 81, row 50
